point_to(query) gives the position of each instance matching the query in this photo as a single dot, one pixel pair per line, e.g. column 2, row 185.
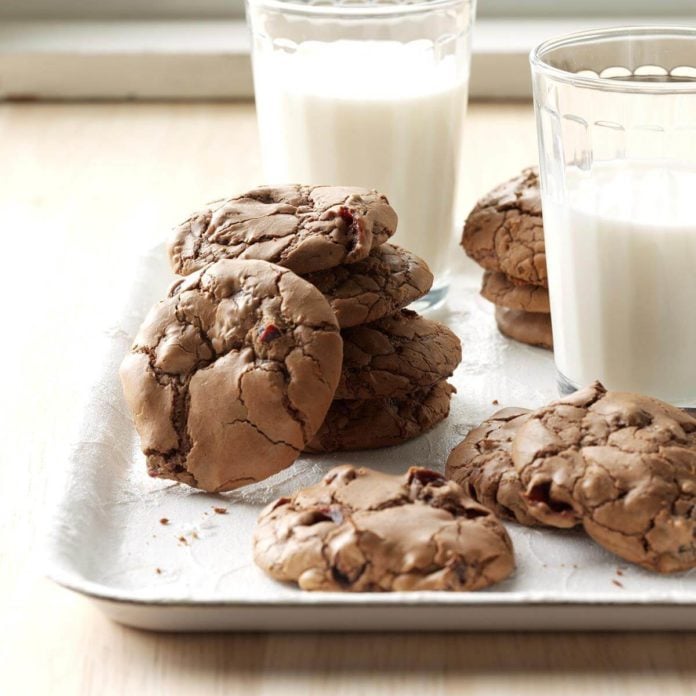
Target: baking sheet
column 160, row 555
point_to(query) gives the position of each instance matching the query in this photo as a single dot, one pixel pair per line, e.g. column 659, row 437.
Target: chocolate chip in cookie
column 395, row 356
column 358, row 424
column 387, row 280
column 504, row 232
column 303, row 228
column 622, row 464
column 359, row 530
column 232, row 374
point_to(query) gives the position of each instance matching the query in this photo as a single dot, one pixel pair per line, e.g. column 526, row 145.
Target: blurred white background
column 199, row 49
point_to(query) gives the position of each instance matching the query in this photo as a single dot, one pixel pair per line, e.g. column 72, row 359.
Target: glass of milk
column 368, row 93
column 616, row 118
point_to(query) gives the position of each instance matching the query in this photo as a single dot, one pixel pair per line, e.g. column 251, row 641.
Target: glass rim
column 540, row 65
column 355, row 10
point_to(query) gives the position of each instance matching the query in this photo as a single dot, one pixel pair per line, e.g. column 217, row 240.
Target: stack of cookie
column 393, row 384
column 504, row 234
column 242, row 366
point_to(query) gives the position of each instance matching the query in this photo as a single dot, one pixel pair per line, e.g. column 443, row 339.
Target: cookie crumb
column 164, row 520
column 183, row 540
column 158, row 571
column 220, row 510
column 495, row 402
column 618, row 584
column 619, row 571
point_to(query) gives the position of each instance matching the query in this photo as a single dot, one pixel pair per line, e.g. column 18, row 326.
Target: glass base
column 434, row 299
column 566, row 387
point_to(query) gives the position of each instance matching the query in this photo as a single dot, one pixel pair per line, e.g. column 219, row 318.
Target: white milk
column 622, row 277
column 376, row 114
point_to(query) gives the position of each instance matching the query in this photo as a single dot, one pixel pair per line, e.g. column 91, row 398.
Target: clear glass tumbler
column 616, row 119
column 371, row 94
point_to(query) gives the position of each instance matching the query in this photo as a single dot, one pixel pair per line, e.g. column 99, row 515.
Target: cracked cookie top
column 504, row 232
column 622, row 464
column 387, row 280
column 482, row 465
column 514, row 294
column 394, row 356
column 360, row 530
column 303, row 228
column 232, row 374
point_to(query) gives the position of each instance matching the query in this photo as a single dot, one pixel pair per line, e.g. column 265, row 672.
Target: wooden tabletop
column 81, row 188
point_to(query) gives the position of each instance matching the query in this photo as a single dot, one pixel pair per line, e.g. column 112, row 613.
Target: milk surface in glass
column 373, row 114
column 622, row 276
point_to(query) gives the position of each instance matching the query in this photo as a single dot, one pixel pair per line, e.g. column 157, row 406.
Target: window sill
column 210, row 59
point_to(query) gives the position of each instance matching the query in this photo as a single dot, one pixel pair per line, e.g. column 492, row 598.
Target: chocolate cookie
column 504, row 232
column 482, row 465
column 532, row 328
column 396, row 355
column 513, row 294
column 373, row 423
column 304, row 228
column 622, row 464
column 232, row 374
column 387, row 280
column 363, row 531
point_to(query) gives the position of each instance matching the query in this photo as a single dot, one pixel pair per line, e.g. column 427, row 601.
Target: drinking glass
column 370, row 94
column 616, row 121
